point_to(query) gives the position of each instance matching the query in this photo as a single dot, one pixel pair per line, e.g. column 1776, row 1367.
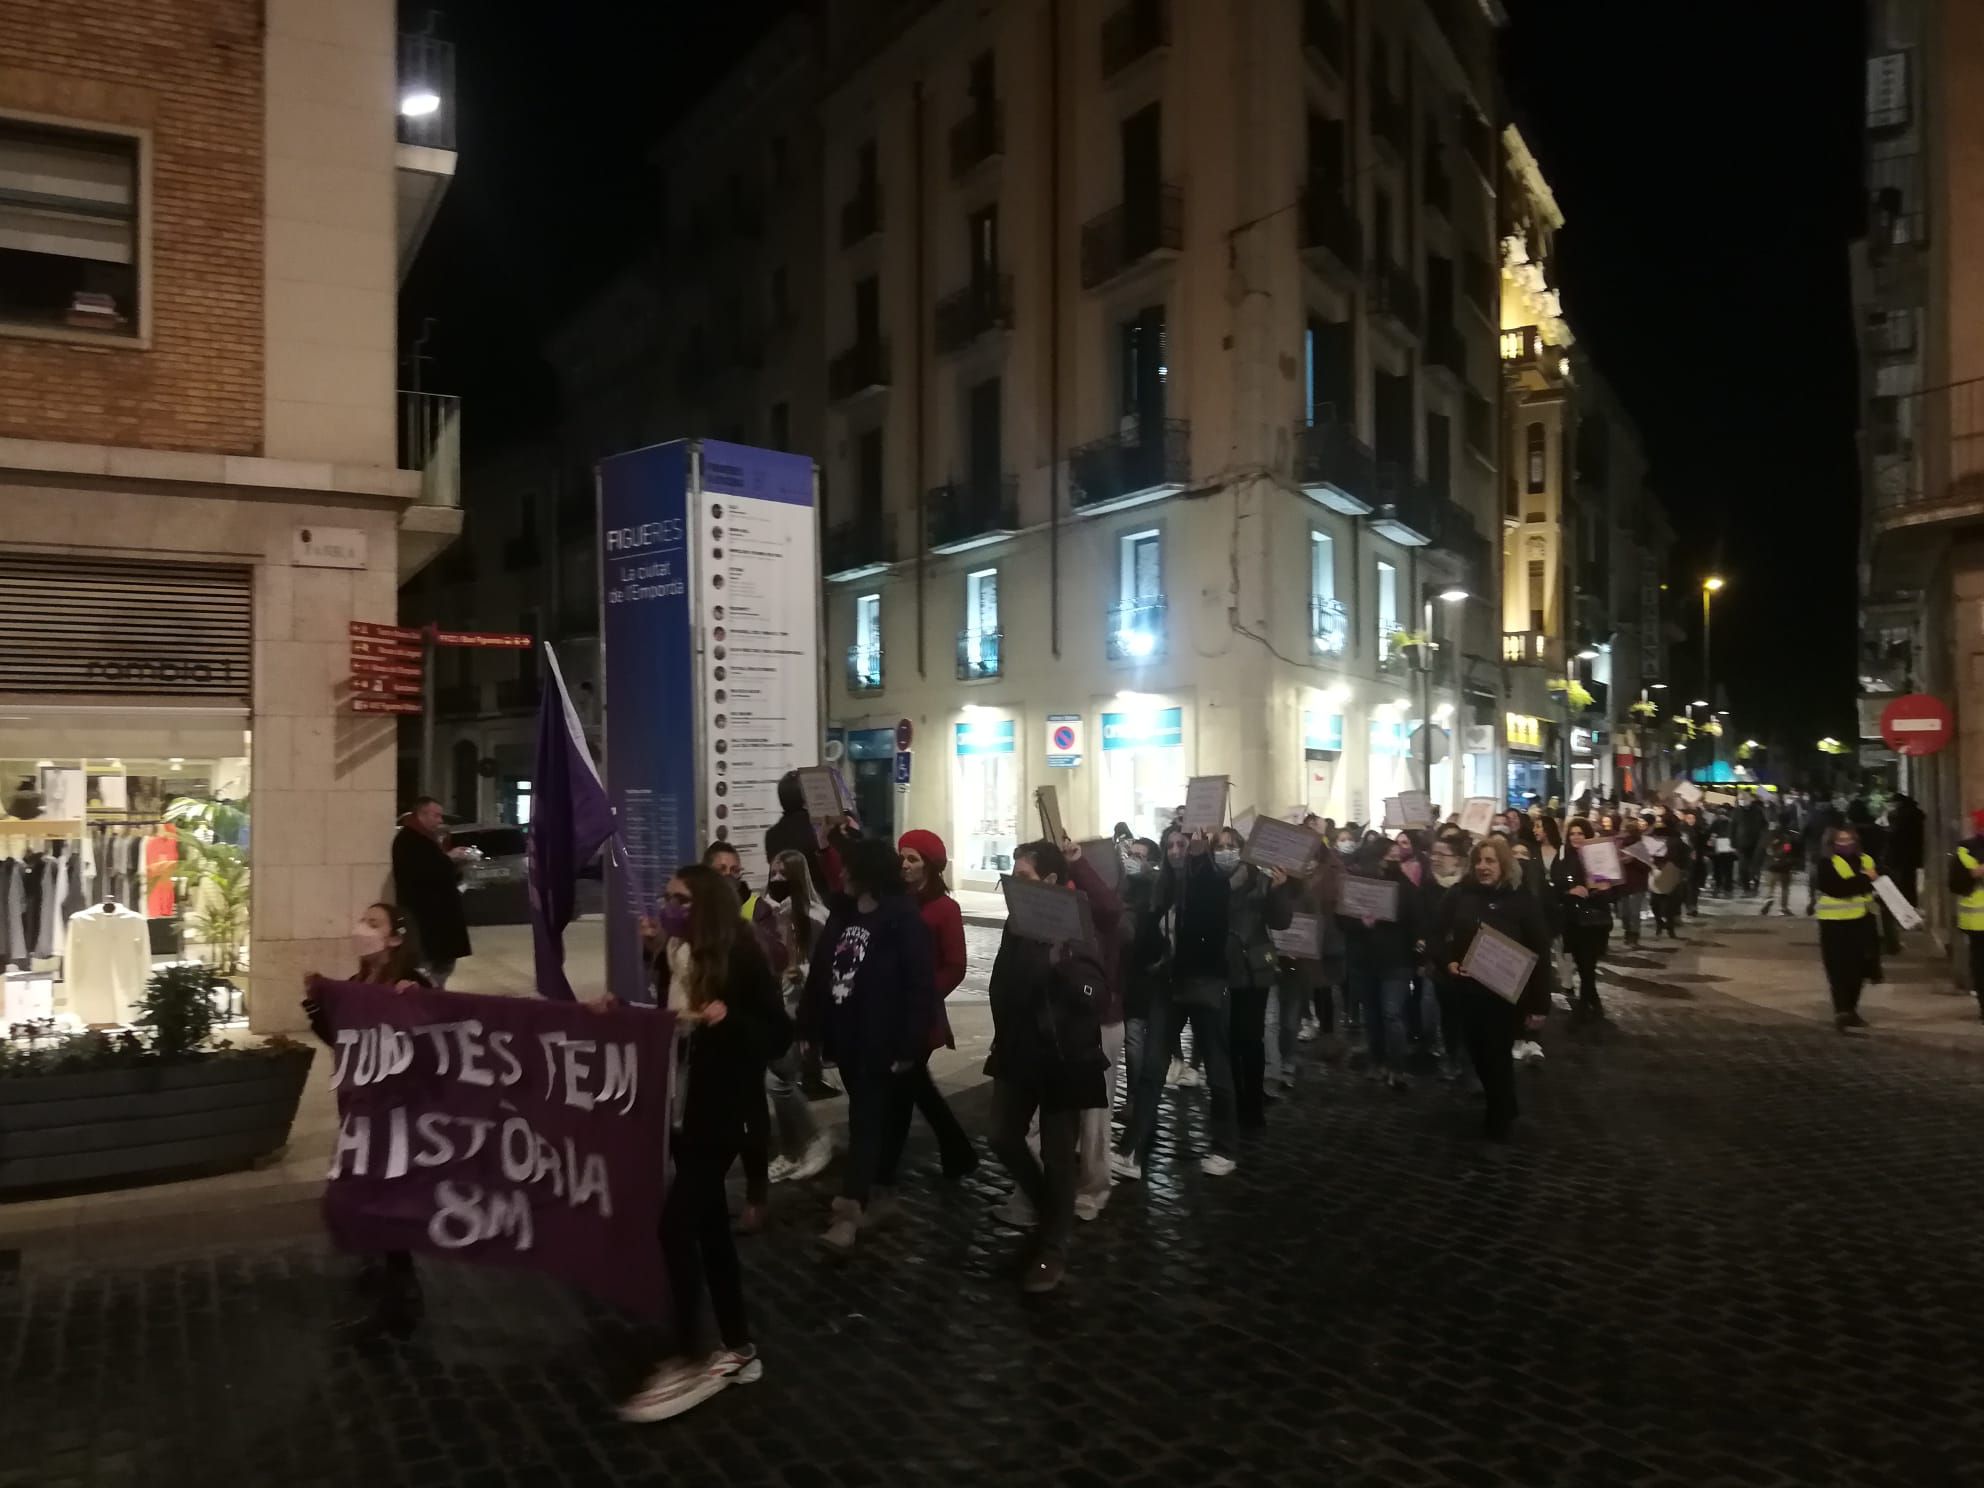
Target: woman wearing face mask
column 923, row 859
column 1381, row 956
column 1492, row 894
column 798, row 915
column 730, row 1023
column 1422, row 1012
column 1445, row 867
column 1584, row 908
column 382, row 938
column 1250, row 971
column 868, row 1004
column 1146, row 956
column 1311, row 979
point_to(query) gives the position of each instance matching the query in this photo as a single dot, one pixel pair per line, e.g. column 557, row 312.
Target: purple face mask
column 674, row 920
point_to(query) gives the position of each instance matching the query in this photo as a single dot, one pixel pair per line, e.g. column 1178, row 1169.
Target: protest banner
column 1367, row 898
column 820, row 784
column 505, row 1130
column 1498, row 963
column 1205, row 803
column 1106, row 858
column 1415, row 810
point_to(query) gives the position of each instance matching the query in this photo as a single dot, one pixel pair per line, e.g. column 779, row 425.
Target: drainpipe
column 918, row 230
column 1054, row 326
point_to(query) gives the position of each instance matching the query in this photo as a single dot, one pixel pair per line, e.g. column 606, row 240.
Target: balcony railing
column 1389, row 124
column 430, row 441
column 1323, row 33
column 427, row 92
column 862, row 368
column 1136, row 630
column 864, row 667
column 1392, row 658
column 860, row 216
column 1408, row 510
column 1133, row 32
column 1533, row 360
column 1332, row 460
column 1123, row 237
column 1455, row 533
column 979, row 309
column 1130, row 464
column 862, row 543
column 964, row 512
column 1394, row 294
column 978, row 655
column 1329, row 627
column 1479, row 419
column 1330, row 226
column 1446, row 349
column 1530, row 648
column 1927, row 453
column 976, row 138
column 1896, row 205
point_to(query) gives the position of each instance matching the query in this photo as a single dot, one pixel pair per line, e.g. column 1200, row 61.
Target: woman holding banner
column 1493, row 994
column 731, row 1023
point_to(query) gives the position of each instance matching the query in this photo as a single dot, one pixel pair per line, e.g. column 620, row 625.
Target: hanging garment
column 108, row 965
column 82, row 882
column 13, row 944
column 54, row 890
column 164, row 848
column 34, row 870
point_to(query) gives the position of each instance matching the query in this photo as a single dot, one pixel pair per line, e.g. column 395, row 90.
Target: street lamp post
column 1711, row 586
column 1452, row 594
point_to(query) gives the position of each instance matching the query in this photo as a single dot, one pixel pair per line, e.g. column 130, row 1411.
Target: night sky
column 1705, row 155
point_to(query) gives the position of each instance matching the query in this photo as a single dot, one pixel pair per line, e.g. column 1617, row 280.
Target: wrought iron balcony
column 979, row 309
column 1393, row 660
column 976, row 138
column 860, row 216
column 1394, row 294
column 1927, row 457
column 1533, row 362
column 1136, row 630
column 1407, row 511
column 1329, row 229
column 863, row 544
column 1123, row 237
column 963, row 514
column 1329, row 627
column 1334, row 465
column 1133, row 32
column 1323, row 35
column 862, row 368
column 1455, row 533
column 978, row 655
column 864, row 667
column 1123, row 467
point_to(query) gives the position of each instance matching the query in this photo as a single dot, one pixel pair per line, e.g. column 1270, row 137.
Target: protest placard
column 1601, row 861
column 1106, row 858
column 1243, row 822
column 1477, row 815
column 1205, row 803
column 1367, row 898
column 1298, row 941
column 1393, row 820
column 1047, row 913
column 1048, row 802
column 513, row 1131
column 1640, row 851
column 1279, row 844
column 820, row 784
column 1905, row 914
column 1498, row 963
column 1415, row 809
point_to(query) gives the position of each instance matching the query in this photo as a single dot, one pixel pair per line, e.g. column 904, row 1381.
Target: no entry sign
column 1916, row 724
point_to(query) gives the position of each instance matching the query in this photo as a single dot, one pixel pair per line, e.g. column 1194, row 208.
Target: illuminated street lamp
column 419, row 103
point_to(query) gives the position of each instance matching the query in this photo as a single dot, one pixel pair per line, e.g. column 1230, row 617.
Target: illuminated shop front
column 1143, row 767
column 1324, row 790
column 985, row 797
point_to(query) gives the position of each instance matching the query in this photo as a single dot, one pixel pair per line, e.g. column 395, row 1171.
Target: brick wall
column 190, row 71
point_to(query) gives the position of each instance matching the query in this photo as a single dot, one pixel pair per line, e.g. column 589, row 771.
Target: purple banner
column 507, row 1130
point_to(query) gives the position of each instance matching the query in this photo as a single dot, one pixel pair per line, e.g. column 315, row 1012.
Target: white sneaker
column 1126, row 1168
column 1306, row 1034
column 1016, row 1212
column 1087, row 1208
column 1189, row 1078
column 678, row 1386
column 1176, row 1074
column 1215, row 1166
column 819, row 1152
column 737, row 1366
column 778, row 1169
column 1531, row 1049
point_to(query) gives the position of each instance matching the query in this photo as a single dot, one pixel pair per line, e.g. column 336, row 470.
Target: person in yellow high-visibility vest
column 1849, row 934
column 1967, row 884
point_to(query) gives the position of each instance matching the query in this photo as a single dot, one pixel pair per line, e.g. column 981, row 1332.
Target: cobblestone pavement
column 1726, row 1248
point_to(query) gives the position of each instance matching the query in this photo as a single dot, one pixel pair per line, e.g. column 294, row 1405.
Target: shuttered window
column 68, row 228
column 120, row 628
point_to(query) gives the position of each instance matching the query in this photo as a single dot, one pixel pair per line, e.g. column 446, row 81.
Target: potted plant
column 97, row 1107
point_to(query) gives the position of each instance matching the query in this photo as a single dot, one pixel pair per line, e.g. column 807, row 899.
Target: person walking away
column 1584, row 908
column 1631, row 899
column 1492, row 895
column 1907, row 827
column 1849, row 943
column 924, row 858
column 1782, row 853
column 1722, row 847
column 382, row 939
column 730, row 1023
column 1105, row 907
column 1195, row 893
column 1381, row 955
column 804, row 1150
column 1249, row 972
column 1966, row 881
column 1746, row 831
column 867, row 1004
column 1047, row 1061
column 427, row 880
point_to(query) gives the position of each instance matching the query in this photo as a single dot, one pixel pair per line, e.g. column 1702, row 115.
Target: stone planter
column 105, row 1126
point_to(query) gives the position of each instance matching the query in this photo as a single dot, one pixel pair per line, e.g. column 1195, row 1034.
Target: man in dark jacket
column 1047, row 1058
column 427, row 883
column 1746, row 832
column 794, row 832
column 1906, row 825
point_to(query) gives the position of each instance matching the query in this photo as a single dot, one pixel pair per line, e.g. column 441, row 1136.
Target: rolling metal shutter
column 125, row 628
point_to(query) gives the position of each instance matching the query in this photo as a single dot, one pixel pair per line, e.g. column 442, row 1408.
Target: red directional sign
column 385, row 705
column 365, row 630
column 386, row 651
column 386, row 686
column 367, row 666
column 1916, row 724
column 494, row 640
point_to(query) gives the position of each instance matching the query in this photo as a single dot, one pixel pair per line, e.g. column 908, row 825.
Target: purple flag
column 570, row 818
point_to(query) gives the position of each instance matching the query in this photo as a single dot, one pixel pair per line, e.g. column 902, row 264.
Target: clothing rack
column 41, row 828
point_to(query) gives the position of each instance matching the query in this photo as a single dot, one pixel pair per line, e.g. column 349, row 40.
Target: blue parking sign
column 902, row 767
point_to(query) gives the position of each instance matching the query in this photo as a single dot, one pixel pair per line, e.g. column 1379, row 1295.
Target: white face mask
column 367, row 940
column 1226, row 859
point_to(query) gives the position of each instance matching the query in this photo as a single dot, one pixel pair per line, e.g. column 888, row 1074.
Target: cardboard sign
column 1205, row 803
column 1047, row 913
column 820, row 784
column 1415, row 809
column 1393, row 821
column 1905, row 914
column 1243, row 822
column 1367, row 898
column 1280, row 844
column 1498, row 963
column 1106, row 858
column 1601, row 861
column 1048, row 800
column 515, row 1131
column 1298, row 941
column 1477, row 815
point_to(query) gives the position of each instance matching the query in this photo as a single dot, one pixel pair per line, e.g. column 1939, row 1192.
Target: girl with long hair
column 803, row 1149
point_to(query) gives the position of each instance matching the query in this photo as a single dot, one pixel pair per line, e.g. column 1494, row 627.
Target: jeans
column 1382, row 995
column 1248, row 1009
column 869, row 1098
column 1780, row 886
column 1048, row 1181
column 1725, row 874
column 910, row 1092
column 1630, row 905
column 1203, row 1003
column 699, row 1249
column 791, row 1111
column 1093, row 1183
column 1491, row 1026
column 1666, row 911
column 1286, row 1005
column 1586, row 943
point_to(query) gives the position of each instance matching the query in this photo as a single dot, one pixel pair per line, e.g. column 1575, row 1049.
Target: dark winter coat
column 725, row 1062
column 1385, row 946
column 1145, row 958
column 428, row 886
column 1591, row 910
column 1047, row 1023
column 1512, row 911
column 870, row 987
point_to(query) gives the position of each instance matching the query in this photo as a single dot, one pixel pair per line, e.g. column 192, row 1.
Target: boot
column 884, row 1209
column 846, row 1224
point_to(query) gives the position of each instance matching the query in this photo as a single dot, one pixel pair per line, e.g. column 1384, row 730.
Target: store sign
column 1580, row 740
column 1322, row 731
column 1064, row 739
column 984, row 736
column 1159, row 728
column 1525, row 731
column 327, row 547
